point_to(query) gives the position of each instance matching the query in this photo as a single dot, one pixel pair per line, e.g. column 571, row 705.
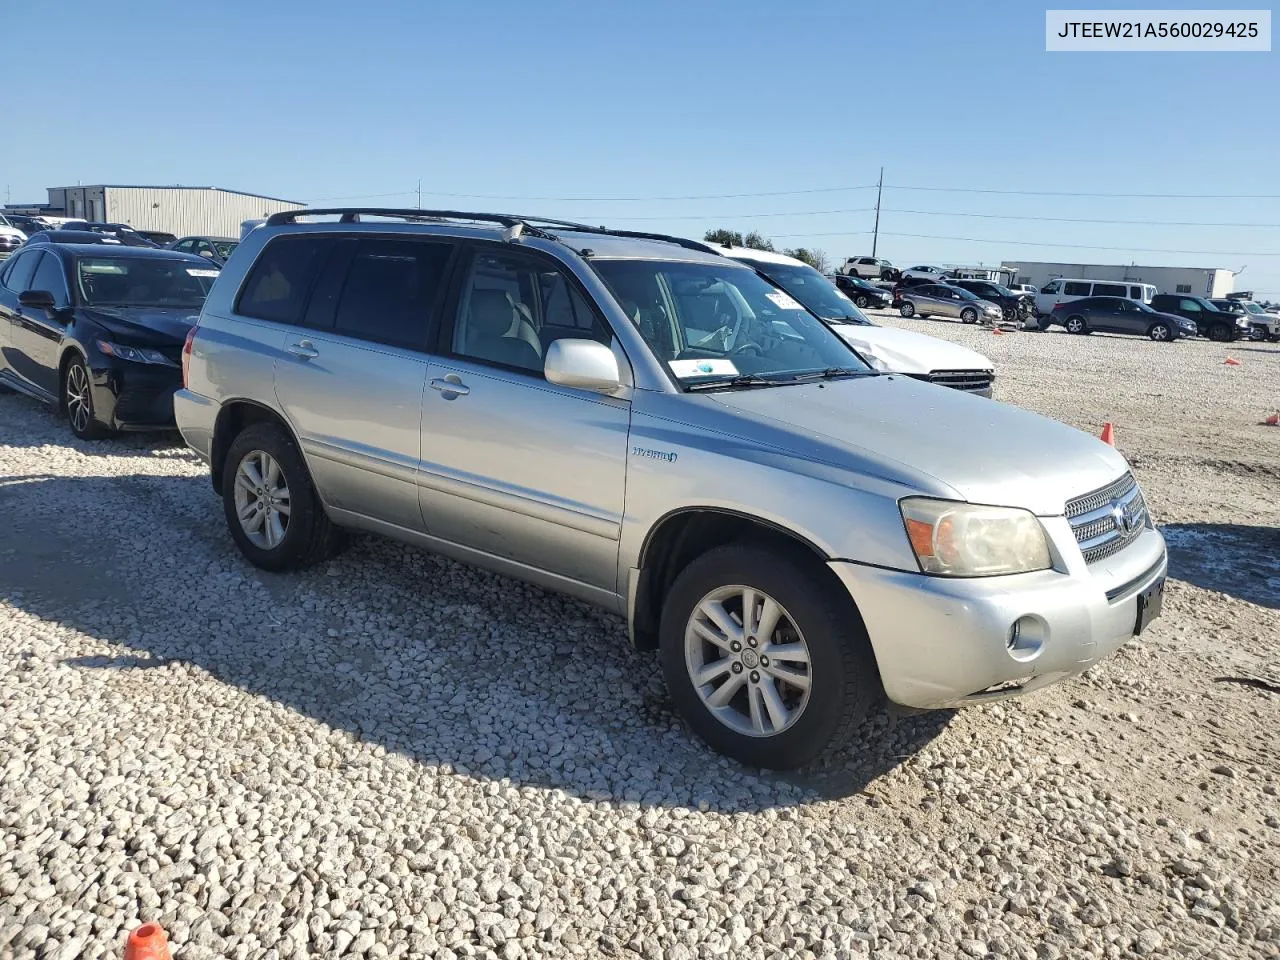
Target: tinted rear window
column 278, row 284
column 389, row 291
column 1109, row 290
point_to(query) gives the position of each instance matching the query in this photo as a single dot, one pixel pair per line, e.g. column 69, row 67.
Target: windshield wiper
column 832, row 372
column 724, row 383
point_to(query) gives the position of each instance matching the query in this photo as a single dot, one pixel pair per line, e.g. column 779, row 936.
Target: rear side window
column 390, row 289
column 1108, row 290
column 1076, row 289
column 1136, row 293
column 278, row 284
column 18, row 276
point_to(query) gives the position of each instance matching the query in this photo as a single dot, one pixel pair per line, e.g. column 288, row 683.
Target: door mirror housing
column 584, row 364
column 37, row 300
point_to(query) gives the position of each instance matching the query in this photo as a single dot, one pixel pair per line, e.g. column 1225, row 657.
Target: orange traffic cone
column 996, row 330
column 148, row 942
column 1231, row 362
column 1108, row 434
column 1273, row 420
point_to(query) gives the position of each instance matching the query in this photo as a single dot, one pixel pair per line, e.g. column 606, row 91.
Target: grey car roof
column 604, row 246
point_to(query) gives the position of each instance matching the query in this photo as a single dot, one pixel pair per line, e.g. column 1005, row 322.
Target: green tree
column 814, row 258
column 728, row 238
column 757, row 242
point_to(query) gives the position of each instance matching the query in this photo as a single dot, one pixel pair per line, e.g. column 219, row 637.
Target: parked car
column 1212, row 323
column 216, row 249
column 1064, row 290
column 943, row 300
column 870, row 267
column 1121, row 315
column 655, row 428
column 925, row 273
column 1024, row 288
column 121, row 231
column 865, row 295
column 1262, row 325
column 1019, row 308
column 11, row 238
column 161, row 238
column 887, row 349
column 29, row 226
column 62, row 235
column 904, row 284
column 97, row 330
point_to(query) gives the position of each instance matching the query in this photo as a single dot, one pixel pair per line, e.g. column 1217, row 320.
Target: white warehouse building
column 1197, row 281
column 185, row 211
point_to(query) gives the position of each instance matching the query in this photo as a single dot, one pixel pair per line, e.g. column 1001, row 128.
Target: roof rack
column 642, row 235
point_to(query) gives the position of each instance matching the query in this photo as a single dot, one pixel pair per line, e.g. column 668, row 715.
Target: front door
column 512, row 465
column 36, row 334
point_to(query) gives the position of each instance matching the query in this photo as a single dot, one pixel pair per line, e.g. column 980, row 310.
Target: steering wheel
column 747, row 347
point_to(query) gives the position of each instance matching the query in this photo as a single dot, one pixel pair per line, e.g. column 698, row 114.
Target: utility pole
column 875, row 237
column 419, row 193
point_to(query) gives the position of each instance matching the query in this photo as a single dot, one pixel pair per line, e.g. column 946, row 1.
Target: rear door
column 513, row 466
column 36, row 334
column 17, row 272
column 352, row 373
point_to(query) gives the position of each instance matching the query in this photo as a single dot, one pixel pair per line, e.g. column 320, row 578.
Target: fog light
column 1026, row 638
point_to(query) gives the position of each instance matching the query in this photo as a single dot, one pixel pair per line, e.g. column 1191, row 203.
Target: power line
column 1031, row 243
column 1069, row 193
column 1153, row 223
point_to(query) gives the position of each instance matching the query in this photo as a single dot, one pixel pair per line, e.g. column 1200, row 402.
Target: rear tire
column 841, row 679
column 307, row 536
column 907, row 309
column 1076, row 324
column 1161, row 333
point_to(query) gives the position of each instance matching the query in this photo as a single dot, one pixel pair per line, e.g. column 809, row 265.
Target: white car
column 925, row 272
column 1023, row 288
column 869, row 268
column 11, row 238
column 888, row 349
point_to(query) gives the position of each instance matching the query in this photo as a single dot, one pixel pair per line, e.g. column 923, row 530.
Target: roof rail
column 353, row 214
column 642, row 235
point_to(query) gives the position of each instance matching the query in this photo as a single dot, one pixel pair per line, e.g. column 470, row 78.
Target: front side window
column 711, row 322
column 512, row 308
column 143, row 282
column 1190, row 305
column 1051, row 287
column 50, row 277
column 280, row 281
column 389, row 290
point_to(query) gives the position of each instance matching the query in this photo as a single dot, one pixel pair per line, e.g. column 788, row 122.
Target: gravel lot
column 397, row 755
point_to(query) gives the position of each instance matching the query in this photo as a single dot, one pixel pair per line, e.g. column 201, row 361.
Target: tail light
column 186, row 357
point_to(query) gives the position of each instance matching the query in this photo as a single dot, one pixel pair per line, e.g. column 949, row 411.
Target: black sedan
column 1118, row 315
column 121, row 231
column 861, row 292
column 97, row 330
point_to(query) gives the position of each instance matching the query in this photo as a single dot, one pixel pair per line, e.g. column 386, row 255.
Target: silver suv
column 654, row 428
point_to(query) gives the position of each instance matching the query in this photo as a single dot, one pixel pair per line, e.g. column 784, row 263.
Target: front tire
column 1257, row 334
column 969, row 315
column 271, row 506
column 1160, row 333
column 77, row 399
column 1076, row 325
column 1220, row 333
column 785, row 687
column 861, row 301
column 908, row 309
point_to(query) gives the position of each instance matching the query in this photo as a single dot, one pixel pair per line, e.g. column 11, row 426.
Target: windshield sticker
column 703, row 368
column 197, row 272
column 783, row 301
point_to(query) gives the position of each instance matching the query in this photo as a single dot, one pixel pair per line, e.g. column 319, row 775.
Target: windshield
column 813, row 290
column 149, row 282
column 711, row 322
column 224, row 247
column 965, row 294
column 1252, row 307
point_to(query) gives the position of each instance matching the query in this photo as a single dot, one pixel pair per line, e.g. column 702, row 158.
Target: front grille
column 1108, row 519
column 971, row 381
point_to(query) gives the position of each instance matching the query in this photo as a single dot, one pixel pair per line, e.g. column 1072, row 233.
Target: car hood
column 905, row 351
column 987, row 452
column 151, row 326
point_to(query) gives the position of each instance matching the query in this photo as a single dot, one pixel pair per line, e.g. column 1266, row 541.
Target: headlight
column 135, row 354
column 965, row 540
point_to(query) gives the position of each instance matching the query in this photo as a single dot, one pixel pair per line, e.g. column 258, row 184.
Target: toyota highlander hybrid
column 654, row 428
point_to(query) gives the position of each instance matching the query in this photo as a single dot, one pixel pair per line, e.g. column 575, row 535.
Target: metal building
column 1197, row 281
column 203, row 211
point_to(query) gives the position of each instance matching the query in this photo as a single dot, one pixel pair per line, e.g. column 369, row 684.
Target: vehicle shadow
column 25, row 422
column 1234, row 559
column 446, row 664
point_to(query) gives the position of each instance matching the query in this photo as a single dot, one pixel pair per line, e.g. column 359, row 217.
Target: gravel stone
column 398, row 756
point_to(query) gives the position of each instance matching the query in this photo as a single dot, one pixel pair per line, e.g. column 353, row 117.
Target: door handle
column 303, row 350
column 450, row 386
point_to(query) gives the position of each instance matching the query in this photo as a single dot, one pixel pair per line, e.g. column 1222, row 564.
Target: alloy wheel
column 262, row 500
column 79, row 402
column 748, row 661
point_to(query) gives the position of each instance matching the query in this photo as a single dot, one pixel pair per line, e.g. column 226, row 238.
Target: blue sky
column 659, row 99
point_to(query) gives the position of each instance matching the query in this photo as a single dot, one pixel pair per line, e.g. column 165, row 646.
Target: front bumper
column 133, row 396
column 943, row 642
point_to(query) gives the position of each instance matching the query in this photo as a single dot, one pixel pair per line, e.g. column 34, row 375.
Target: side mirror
column 584, row 364
column 36, row 299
